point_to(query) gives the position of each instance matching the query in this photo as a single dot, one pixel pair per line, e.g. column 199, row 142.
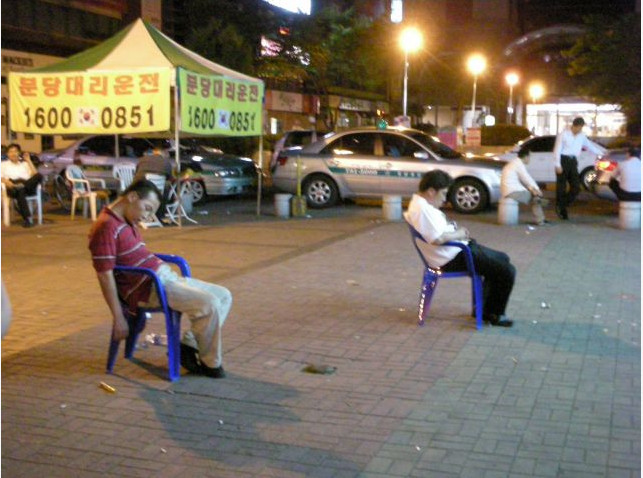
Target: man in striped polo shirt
column 116, row 240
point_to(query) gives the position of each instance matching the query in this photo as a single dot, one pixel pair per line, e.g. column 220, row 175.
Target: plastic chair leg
column 174, row 346
column 478, row 300
column 111, row 355
column 429, row 283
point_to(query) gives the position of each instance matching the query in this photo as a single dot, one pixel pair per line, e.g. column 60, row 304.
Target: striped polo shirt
column 113, row 241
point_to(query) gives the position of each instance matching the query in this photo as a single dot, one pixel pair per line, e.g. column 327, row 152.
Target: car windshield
column 436, row 146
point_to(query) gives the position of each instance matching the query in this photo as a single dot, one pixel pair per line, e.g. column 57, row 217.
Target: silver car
column 369, row 162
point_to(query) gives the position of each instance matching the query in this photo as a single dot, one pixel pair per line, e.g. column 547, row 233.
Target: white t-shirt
column 11, row 170
column 431, row 223
column 628, row 174
column 515, row 178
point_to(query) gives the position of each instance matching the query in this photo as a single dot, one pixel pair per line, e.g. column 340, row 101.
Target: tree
column 608, row 59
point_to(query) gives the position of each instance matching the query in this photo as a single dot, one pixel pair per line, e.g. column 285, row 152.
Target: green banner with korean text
column 91, row 102
column 218, row 105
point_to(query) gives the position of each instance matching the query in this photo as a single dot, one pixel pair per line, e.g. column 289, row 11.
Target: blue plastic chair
column 432, row 275
column 137, row 318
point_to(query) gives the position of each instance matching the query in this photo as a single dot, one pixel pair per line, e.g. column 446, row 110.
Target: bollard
column 629, row 215
column 282, row 205
column 508, row 212
column 392, row 208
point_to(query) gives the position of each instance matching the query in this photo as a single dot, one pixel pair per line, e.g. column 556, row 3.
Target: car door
column 353, row 163
column 402, row 169
column 541, row 158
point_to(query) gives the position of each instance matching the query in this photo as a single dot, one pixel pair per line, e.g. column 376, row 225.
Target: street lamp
column 476, row 65
column 410, row 41
column 512, row 80
column 536, row 91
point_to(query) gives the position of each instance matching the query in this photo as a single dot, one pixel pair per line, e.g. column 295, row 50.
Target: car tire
column 468, row 196
column 587, row 177
column 199, row 195
column 320, row 191
column 62, row 191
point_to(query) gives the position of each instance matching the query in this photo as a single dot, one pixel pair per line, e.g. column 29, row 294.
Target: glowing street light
column 512, row 80
column 476, row 65
column 536, row 91
column 410, row 41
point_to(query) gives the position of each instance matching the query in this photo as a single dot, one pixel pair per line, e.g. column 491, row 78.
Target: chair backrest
column 77, row 178
column 415, row 237
column 125, row 174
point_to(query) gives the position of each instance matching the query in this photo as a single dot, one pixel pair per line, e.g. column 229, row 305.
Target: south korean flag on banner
column 223, row 119
column 87, row 116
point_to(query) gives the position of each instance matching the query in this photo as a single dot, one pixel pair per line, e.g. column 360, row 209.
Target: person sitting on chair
column 494, row 266
column 626, row 180
column 115, row 240
column 21, row 178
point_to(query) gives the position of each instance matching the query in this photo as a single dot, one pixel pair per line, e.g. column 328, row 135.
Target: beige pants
column 525, row 197
column 205, row 305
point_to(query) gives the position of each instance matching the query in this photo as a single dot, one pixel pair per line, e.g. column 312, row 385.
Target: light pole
column 476, row 65
column 512, row 80
column 410, row 41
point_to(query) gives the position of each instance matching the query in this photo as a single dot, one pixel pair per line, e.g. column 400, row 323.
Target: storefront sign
column 219, row 105
column 90, row 103
column 284, row 101
column 354, row 104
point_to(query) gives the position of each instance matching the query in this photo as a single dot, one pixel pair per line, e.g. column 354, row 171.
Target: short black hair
column 143, row 188
column 578, row 121
column 634, row 151
column 436, row 179
column 14, row 145
column 522, row 152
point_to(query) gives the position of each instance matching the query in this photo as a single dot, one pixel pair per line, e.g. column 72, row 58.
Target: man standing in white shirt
column 516, row 183
column 569, row 144
column 495, row 267
column 21, row 178
column 626, row 181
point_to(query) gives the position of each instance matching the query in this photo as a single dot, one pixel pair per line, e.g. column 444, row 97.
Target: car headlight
column 225, row 173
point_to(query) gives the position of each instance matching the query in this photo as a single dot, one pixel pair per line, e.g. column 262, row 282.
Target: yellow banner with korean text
column 218, row 105
column 132, row 101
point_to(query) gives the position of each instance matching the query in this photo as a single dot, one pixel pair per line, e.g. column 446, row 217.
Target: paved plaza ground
column 557, row 395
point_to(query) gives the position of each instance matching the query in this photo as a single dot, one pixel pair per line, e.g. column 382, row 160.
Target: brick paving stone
column 557, row 395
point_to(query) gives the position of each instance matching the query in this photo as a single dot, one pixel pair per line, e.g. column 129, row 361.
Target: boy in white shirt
column 494, row 266
column 516, row 183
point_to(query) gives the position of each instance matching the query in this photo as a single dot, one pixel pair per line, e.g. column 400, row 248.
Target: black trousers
column 569, row 176
column 622, row 194
column 497, row 272
column 25, row 188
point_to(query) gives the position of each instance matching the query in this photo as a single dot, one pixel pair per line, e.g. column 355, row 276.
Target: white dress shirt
column 571, row 144
column 11, row 170
column 516, row 178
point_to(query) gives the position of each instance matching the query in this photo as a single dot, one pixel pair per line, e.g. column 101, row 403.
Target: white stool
column 508, row 212
column 629, row 215
column 392, row 208
column 282, row 205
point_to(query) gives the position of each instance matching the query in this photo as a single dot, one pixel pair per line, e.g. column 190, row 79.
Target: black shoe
column 499, row 320
column 28, row 222
column 216, row 372
column 562, row 213
column 189, row 359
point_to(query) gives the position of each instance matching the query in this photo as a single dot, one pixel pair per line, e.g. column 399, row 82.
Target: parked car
column 541, row 159
column 217, row 174
column 295, row 139
column 369, row 162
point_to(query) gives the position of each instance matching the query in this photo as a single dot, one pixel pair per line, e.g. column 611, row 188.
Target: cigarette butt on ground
column 107, row 388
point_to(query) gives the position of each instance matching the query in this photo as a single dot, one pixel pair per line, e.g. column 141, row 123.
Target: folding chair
column 81, row 189
column 124, row 172
column 7, row 200
column 433, row 274
column 137, row 319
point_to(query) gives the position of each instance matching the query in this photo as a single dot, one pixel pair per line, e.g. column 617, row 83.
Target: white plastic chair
column 35, row 199
column 81, row 189
column 125, row 174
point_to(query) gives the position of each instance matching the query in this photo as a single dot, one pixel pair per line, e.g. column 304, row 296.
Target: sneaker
column 189, row 359
column 216, row 372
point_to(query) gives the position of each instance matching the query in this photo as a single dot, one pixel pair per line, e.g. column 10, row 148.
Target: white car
column 541, row 159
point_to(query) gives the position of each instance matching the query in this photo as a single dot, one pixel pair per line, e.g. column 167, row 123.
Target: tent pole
column 116, row 147
column 177, row 153
column 260, row 173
